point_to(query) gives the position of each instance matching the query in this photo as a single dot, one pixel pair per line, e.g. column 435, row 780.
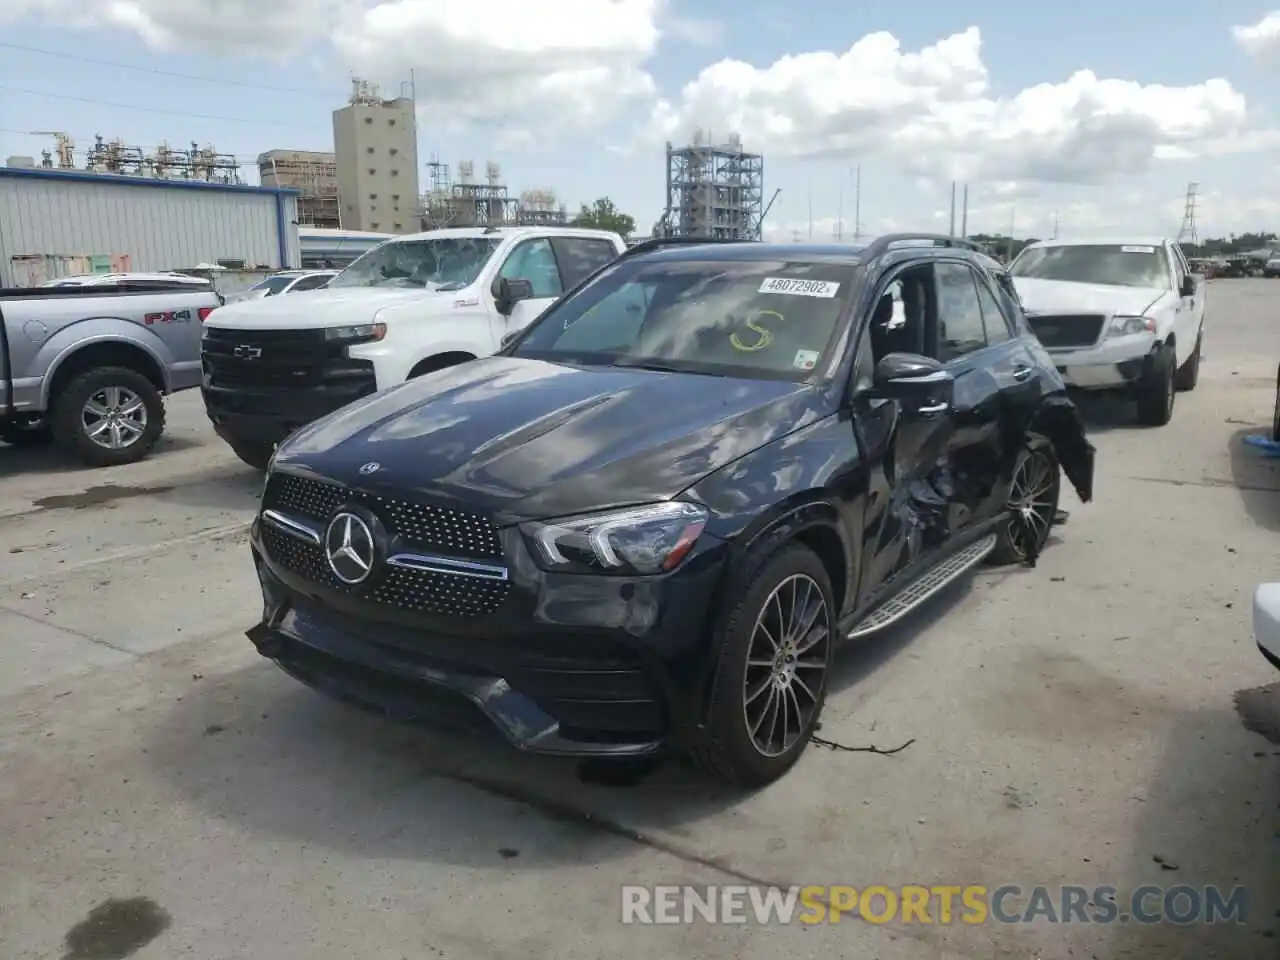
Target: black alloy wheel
column 1032, row 503
column 775, row 649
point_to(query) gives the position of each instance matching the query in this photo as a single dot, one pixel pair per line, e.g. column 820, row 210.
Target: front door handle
column 933, row 409
column 1021, row 372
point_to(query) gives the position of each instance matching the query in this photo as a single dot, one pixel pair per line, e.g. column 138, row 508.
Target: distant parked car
column 287, row 281
column 1271, row 268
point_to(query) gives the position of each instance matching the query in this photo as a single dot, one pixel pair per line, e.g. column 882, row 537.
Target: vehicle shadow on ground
column 1209, row 816
column 1103, row 412
column 259, row 750
column 228, row 488
column 52, row 459
column 256, row 748
column 1257, row 477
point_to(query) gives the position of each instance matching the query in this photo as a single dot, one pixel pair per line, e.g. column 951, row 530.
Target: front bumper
column 566, row 665
column 1266, row 621
column 268, row 415
column 1117, row 362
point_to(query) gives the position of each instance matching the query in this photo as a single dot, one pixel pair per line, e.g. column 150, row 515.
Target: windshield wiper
column 646, row 365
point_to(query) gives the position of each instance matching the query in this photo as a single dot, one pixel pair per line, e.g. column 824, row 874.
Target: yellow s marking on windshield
column 765, row 335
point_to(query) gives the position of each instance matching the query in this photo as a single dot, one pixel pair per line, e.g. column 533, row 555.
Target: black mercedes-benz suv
column 647, row 522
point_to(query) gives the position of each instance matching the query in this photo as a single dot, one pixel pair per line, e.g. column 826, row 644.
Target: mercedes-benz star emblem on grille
column 247, row 352
column 369, row 468
column 349, row 548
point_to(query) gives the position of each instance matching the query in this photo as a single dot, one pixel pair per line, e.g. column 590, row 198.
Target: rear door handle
column 933, row 409
column 1021, row 372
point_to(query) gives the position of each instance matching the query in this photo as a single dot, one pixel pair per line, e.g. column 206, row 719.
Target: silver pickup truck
column 89, row 367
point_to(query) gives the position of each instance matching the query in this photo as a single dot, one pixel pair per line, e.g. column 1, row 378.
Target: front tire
column 1189, row 373
column 775, row 649
column 1032, row 503
column 1156, row 390
column 256, row 455
column 108, row 417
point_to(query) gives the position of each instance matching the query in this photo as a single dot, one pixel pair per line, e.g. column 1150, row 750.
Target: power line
column 141, row 109
column 153, row 71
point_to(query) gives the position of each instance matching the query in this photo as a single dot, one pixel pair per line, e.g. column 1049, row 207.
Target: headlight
column 1124, row 326
column 364, row 332
column 639, row 540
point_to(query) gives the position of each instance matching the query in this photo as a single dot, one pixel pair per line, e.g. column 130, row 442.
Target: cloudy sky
column 1096, row 113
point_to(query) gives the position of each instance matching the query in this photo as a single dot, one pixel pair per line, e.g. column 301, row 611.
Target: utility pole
column 811, row 211
column 1188, row 232
column 1008, row 252
column 857, row 203
column 951, row 230
column 1055, row 224
column 964, row 214
column 838, row 230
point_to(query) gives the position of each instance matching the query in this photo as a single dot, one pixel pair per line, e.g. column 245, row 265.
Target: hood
column 326, row 307
column 530, row 439
column 1059, row 296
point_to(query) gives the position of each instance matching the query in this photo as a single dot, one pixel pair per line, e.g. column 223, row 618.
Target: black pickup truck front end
column 261, row 385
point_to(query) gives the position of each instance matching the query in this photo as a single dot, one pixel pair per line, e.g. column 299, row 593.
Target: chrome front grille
column 443, row 562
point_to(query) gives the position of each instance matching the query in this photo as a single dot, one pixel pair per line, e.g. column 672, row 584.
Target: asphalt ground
column 1103, row 719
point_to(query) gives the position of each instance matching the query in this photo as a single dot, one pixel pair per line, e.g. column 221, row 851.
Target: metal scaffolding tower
column 1188, row 233
column 714, row 190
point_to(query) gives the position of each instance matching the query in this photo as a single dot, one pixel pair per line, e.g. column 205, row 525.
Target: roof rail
column 657, row 243
column 882, row 244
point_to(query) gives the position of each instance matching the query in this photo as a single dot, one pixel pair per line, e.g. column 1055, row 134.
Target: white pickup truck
column 409, row 306
column 1116, row 315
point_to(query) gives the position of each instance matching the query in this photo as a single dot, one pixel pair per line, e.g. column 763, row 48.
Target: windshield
column 443, row 263
column 1112, row 264
column 771, row 320
column 271, row 286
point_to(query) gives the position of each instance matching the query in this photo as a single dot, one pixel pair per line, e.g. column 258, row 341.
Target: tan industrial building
column 376, row 151
column 314, row 175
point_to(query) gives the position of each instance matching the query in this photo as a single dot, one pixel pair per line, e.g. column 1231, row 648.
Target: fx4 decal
column 169, row 316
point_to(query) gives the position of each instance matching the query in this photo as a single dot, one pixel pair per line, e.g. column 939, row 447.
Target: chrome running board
column 924, row 587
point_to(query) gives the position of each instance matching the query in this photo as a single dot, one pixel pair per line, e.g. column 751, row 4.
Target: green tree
column 604, row 215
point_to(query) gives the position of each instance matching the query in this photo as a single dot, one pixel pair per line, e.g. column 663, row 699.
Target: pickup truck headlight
column 638, row 540
column 1124, row 326
column 364, row 333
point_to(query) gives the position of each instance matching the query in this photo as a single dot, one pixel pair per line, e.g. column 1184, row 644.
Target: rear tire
column 1032, row 503
column 770, row 683
column 256, row 455
column 83, row 412
column 1189, row 373
column 1156, row 390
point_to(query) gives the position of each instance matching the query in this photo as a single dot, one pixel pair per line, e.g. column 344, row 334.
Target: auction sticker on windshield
column 1137, row 249
column 799, row 288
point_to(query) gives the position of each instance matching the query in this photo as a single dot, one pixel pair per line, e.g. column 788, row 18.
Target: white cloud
column 1262, row 39
column 933, row 111
column 235, row 27
column 530, row 65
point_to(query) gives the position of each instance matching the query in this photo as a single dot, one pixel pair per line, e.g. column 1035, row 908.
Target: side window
column 1180, row 269
column 308, row 283
column 612, row 325
column 580, row 257
column 994, row 320
column 534, row 261
column 960, row 327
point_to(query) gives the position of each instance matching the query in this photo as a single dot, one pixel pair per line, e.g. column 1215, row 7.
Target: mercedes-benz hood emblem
column 349, row 548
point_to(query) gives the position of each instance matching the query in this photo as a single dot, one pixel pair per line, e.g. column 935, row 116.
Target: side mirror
column 922, row 384
column 1188, row 286
column 507, row 293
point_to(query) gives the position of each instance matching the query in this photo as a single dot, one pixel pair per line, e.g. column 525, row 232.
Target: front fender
column 1058, row 420
column 75, row 336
